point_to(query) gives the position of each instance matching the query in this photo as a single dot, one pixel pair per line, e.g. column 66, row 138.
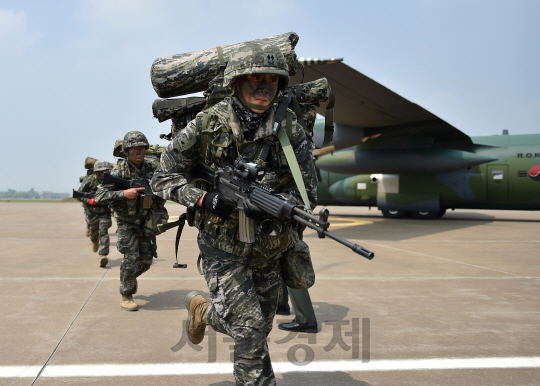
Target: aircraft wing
column 365, row 105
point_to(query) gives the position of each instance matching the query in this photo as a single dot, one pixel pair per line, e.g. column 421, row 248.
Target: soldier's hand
column 132, row 193
column 216, row 203
column 91, row 201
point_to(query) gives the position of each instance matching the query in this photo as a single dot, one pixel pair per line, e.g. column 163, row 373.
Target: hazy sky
column 75, row 74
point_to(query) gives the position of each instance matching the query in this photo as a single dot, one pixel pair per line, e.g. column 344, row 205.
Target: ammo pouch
column 156, row 216
column 296, row 267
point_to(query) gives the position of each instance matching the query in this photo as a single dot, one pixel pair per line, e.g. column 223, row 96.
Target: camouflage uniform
column 130, row 216
column 98, row 217
column 243, row 279
column 84, row 205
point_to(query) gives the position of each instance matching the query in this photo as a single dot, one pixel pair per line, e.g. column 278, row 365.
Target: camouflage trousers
column 244, row 297
column 138, row 256
column 85, row 214
column 98, row 225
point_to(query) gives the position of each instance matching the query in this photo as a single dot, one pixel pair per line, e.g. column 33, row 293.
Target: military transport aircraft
column 390, row 153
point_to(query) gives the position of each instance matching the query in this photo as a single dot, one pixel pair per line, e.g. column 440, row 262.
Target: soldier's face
column 100, row 175
column 136, row 154
column 259, row 89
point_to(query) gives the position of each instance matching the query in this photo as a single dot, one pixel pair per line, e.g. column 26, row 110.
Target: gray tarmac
column 452, row 301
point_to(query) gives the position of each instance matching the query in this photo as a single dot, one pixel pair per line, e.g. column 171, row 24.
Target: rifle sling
column 293, row 163
column 181, row 223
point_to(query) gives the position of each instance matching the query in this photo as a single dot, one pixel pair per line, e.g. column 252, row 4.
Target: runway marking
column 147, row 369
column 341, row 278
column 44, row 367
column 346, row 222
column 44, row 238
column 443, row 258
column 453, row 241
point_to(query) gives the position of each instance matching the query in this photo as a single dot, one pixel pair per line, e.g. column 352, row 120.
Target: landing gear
column 394, row 213
column 441, row 213
column 423, row 215
column 428, row 215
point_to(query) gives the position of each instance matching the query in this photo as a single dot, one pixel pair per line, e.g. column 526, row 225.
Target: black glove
column 216, row 203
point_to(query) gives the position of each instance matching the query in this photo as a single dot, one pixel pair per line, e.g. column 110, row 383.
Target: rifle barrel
column 321, row 231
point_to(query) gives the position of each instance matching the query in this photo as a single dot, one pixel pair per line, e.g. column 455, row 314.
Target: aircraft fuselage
column 405, row 182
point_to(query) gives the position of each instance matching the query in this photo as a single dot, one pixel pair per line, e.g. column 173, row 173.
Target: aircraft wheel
column 425, row 215
column 394, row 213
column 441, row 213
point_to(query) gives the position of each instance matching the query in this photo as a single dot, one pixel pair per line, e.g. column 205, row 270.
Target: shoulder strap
column 296, row 107
column 292, row 161
column 202, row 125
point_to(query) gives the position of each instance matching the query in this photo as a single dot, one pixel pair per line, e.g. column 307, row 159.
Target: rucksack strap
column 204, row 134
column 296, row 108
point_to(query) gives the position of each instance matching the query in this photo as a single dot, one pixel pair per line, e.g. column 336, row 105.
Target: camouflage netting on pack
column 183, row 110
column 191, row 72
column 89, row 162
column 164, row 109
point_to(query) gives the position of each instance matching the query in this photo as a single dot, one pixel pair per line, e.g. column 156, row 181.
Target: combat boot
column 104, row 261
column 95, row 246
column 128, row 303
column 196, row 321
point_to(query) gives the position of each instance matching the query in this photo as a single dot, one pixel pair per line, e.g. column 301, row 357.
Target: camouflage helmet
column 117, row 151
column 134, row 139
column 101, row 166
column 256, row 58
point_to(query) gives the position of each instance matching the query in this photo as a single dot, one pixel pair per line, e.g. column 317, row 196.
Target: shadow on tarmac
column 310, row 379
column 168, row 300
column 384, row 229
column 326, row 312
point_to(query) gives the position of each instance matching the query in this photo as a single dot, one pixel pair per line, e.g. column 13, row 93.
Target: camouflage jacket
column 224, row 137
column 125, row 210
column 90, row 184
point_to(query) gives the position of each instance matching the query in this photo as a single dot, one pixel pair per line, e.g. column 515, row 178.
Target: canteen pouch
column 156, row 216
column 296, row 267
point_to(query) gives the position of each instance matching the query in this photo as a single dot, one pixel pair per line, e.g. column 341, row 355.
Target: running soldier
column 243, row 278
column 98, row 214
column 138, row 248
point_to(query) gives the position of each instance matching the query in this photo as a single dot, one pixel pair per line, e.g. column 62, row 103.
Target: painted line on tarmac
column 319, row 278
column 44, row 367
column 144, row 369
column 44, row 238
column 469, row 241
column 93, row 279
column 443, row 258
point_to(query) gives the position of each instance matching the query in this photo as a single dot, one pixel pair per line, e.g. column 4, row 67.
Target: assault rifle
column 238, row 184
column 135, row 183
column 78, row 194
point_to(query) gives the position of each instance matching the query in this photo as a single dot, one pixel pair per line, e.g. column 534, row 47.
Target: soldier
column 243, row 278
column 98, row 214
column 137, row 246
column 305, row 319
column 83, row 180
